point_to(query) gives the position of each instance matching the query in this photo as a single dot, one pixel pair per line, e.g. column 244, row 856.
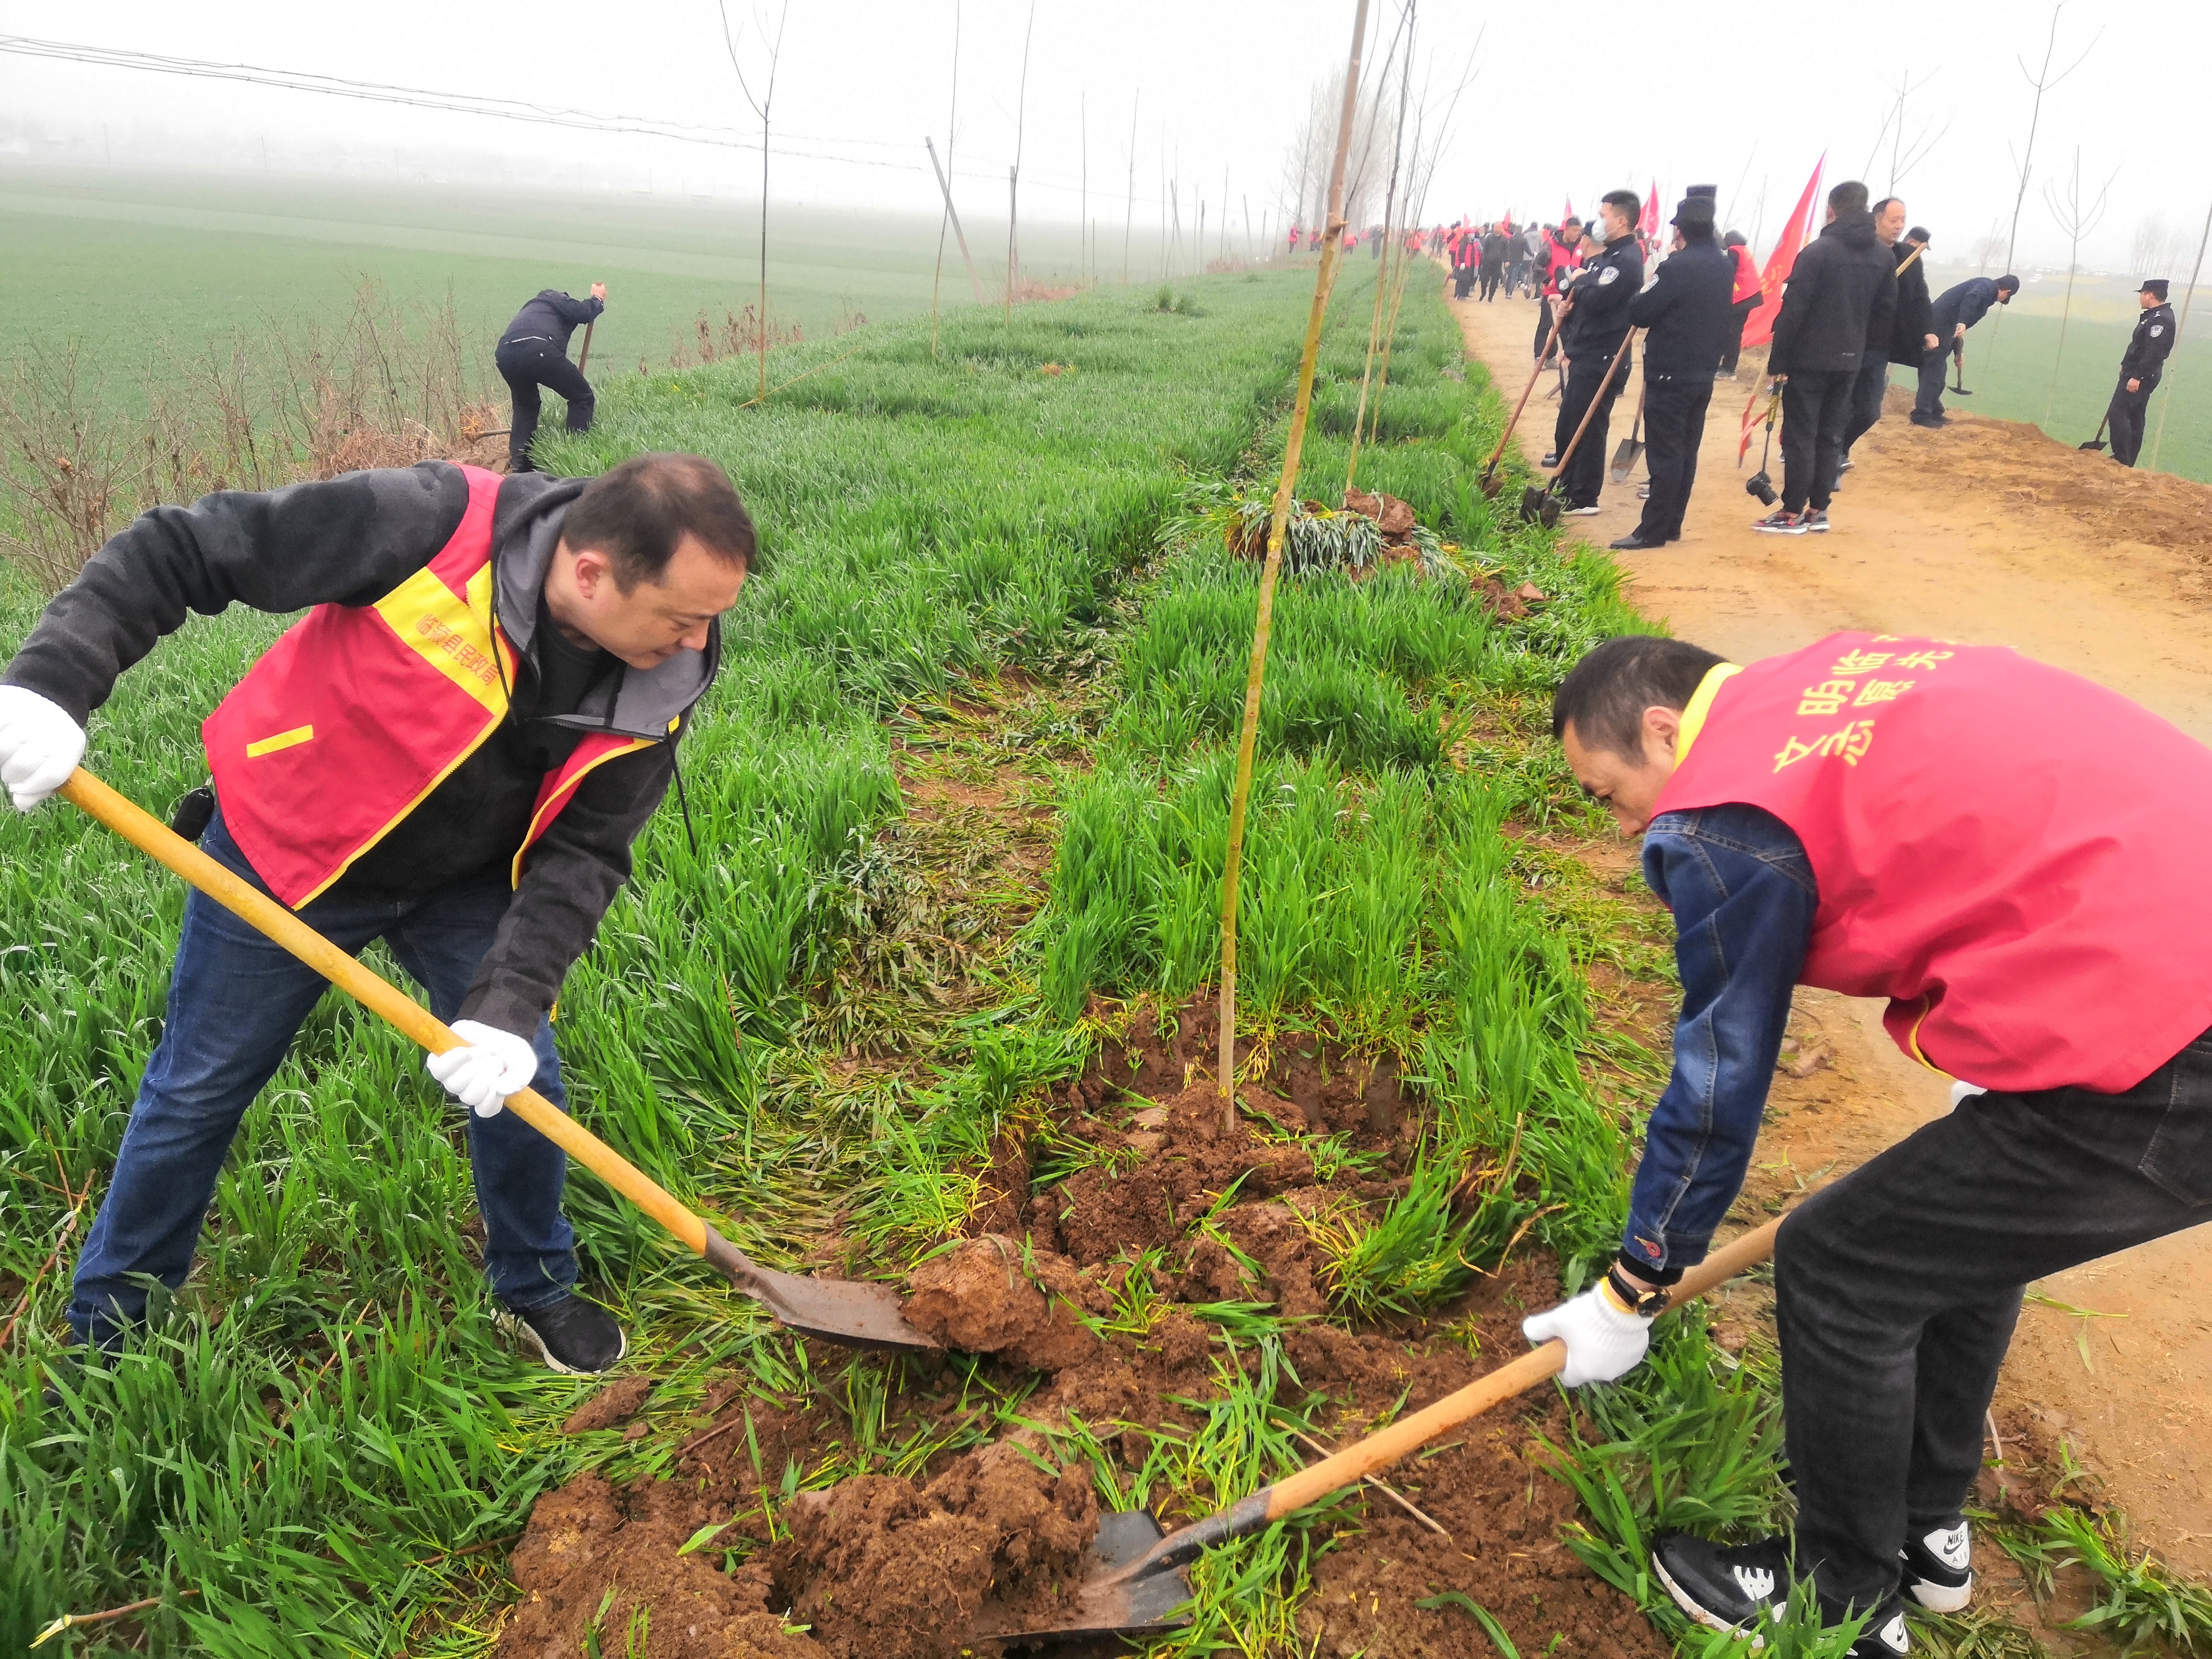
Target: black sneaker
column 1551, row 458
column 1885, row 1636
column 572, row 1336
column 1816, row 520
column 1724, row 1588
column 1847, row 465
column 1781, row 522
column 1936, row 1568
column 1931, row 421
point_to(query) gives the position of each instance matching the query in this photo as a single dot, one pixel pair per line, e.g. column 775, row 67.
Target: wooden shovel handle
column 1386, row 1446
column 373, row 992
column 1491, row 465
column 1597, row 398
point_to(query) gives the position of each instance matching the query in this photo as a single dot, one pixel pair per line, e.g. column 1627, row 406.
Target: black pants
column 1740, row 314
column 2125, row 419
column 1935, row 375
column 1584, row 474
column 1543, row 327
column 1491, row 276
column 1816, row 405
column 1866, row 400
column 1462, row 280
column 526, row 368
column 1673, row 426
column 1896, row 1290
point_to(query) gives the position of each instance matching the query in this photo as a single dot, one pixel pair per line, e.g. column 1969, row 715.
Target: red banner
column 1760, row 327
column 1570, row 213
column 1649, row 224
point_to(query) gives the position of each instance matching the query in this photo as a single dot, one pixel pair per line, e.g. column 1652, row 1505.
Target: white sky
column 1704, row 92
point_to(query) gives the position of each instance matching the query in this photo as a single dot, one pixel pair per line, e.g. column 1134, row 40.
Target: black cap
column 1918, row 233
column 1694, row 209
column 1709, row 192
column 2155, row 288
column 2009, row 281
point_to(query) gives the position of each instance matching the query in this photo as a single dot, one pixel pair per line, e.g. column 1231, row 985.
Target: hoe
column 1137, row 1583
column 858, row 1315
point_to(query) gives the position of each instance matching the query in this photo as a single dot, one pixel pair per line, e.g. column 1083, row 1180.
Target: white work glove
column 1604, row 1342
column 39, row 746
column 493, row 1065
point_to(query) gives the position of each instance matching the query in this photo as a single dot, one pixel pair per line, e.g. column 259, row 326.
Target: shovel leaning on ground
column 856, row 1314
column 1537, row 502
column 1488, row 481
column 1625, row 451
column 1137, row 1581
column 1958, row 382
column 2097, row 443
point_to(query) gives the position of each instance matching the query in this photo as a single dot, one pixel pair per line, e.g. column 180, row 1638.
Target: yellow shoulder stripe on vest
column 452, row 633
column 297, row 735
column 1701, row 704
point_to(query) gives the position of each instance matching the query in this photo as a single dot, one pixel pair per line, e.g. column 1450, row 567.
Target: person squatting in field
column 2010, row 856
column 452, row 752
column 533, row 352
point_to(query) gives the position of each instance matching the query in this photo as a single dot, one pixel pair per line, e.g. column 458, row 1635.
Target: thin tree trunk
column 1278, row 523
column 1382, row 268
column 1129, row 200
column 1014, row 172
column 951, row 129
column 974, row 283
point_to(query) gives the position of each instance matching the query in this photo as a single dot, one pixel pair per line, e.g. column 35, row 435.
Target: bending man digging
column 2010, row 856
column 452, row 752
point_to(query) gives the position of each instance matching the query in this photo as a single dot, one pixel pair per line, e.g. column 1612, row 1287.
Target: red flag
column 1570, row 213
column 1754, row 413
column 1760, row 327
column 1649, row 224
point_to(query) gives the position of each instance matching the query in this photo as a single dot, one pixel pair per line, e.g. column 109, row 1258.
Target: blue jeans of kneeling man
column 236, row 999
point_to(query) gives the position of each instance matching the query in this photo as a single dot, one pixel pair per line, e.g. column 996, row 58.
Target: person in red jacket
column 2011, row 857
column 1743, row 300
column 452, row 752
column 1561, row 255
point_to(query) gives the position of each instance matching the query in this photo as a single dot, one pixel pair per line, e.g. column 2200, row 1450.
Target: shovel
column 1489, row 479
column 1537, row 502
column 1136, row 1581
column 2097, row 443
column 585, row 356
column 1625, row 451
column 1958, row 384
column 858, row 1315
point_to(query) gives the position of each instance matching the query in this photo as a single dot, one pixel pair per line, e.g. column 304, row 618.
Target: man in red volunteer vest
column 452, row 752
column 2013, row 857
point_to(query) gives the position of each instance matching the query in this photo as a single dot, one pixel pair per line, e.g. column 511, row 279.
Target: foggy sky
column 1565, row 101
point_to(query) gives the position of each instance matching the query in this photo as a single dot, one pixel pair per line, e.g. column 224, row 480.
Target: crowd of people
column 1854, row 301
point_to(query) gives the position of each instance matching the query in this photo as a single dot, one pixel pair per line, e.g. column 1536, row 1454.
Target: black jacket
column 1968, row 303
column 1842, row 293
column 551, row 317
column 2145, row 358
column 1687, row 310
column 350, row 541
column 1910, row 327
column 1607, row 281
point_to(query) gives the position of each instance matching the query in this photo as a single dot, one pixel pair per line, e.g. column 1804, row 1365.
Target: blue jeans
column 235, row 1000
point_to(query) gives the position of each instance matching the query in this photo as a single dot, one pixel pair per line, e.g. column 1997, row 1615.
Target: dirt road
column 1985, row 531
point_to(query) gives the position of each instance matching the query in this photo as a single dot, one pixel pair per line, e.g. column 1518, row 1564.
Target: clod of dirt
column 988, row 1296
column 1392, row 516
column 614, row 1405
column 882, row 1569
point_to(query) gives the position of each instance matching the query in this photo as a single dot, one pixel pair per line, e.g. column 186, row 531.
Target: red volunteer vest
column 1747, row 276
column 357, row 713
column 2011, row 855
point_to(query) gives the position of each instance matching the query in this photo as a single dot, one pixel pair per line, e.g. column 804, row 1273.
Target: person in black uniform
column 1688, row 313
column 1596, row 327
column 2140, row 369
column 533, row 352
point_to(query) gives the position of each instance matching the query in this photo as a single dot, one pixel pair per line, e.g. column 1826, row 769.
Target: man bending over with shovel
column 2011, row 856
column 452, row 752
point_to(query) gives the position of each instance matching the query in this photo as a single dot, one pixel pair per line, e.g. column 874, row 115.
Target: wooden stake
column 1277, row 525
column 953, row 213
column 951, row 129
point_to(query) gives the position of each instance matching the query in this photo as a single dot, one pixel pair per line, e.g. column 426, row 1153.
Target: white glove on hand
column 493, row 1065
column 39, row 746
column 1603, row 1343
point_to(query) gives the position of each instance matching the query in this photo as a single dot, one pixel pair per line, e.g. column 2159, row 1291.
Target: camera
column 1760, row 485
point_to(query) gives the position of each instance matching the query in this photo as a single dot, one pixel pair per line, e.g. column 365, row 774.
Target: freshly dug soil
column 894, row 1568
column 610, row 1407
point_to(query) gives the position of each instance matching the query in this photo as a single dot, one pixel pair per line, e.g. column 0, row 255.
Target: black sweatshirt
column 349, row 542
column 1842, row 293
column 551, row 317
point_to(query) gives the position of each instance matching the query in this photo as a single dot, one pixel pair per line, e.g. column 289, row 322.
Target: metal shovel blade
column 1138, row 1607
column 852, row 1313
column 2095, row 444
column 1624, row 458
column 1533, row 498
